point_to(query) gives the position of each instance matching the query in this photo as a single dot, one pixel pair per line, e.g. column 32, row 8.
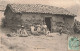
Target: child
column 60, row 30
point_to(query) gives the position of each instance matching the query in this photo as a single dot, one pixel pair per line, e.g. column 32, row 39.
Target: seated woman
column 47, row 32
column 33, row 30
column 38, row 28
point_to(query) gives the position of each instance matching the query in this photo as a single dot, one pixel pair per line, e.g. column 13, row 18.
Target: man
column 22, row 31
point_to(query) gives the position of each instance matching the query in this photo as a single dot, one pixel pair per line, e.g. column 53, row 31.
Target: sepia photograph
column 39, row 25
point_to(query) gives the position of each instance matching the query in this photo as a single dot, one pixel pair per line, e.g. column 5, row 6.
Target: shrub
column 76, row 26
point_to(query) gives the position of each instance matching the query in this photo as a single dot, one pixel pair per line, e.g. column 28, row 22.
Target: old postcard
column 39, row 25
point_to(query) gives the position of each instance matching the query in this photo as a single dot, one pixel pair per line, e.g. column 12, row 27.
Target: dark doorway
column 48, row 22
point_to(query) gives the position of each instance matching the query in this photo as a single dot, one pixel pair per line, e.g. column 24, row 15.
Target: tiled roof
column 38, row 8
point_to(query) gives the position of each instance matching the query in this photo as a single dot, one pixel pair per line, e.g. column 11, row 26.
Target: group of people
column 39, row 29
column 19, row 32
column 34, row 29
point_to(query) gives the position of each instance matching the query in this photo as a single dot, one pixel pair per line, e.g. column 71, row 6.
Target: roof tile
column 38, row 8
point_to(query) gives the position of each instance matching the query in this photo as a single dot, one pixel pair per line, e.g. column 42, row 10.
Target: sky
column 59, row 3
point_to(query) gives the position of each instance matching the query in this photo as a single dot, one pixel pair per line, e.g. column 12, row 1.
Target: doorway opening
column 48, row 22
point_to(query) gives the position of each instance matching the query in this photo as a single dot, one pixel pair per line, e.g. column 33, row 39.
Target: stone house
column 27, row 14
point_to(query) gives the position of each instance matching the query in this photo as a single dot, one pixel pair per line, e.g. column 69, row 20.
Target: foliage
column 76, row 26
column 11, row 23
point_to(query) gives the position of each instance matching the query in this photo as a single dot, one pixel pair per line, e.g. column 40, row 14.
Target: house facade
column 28, row 14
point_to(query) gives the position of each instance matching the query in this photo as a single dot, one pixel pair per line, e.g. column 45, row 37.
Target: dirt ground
column 53, row 42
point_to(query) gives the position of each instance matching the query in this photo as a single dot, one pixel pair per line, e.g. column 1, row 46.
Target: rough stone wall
column 27, row 19
column 31, row 18
column 69, row 23
column 55, row 22
column 12, row 20
column 8, row 17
